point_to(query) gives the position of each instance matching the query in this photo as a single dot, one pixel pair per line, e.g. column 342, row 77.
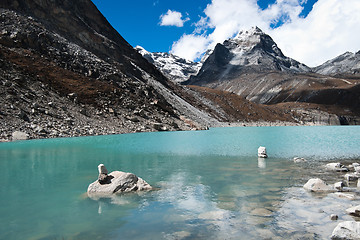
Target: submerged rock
column 346, row 230
column 299, row 160
column 117, row 182
column 349, row 196
column 317, row 185
column 334, row 217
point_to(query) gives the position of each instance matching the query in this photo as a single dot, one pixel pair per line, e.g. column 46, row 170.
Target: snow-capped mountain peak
column 249, row 52
column 248, row 39
column 173, row 67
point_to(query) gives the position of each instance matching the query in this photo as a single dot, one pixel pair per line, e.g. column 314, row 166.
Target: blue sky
column 138, row 20
column 311, row 31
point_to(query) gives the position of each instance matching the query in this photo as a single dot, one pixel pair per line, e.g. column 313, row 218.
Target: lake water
column 209, row 185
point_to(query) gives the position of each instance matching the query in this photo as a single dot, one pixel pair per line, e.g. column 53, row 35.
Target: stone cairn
column 103, row 174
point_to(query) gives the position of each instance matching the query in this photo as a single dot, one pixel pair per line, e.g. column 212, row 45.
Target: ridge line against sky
column 310, row 31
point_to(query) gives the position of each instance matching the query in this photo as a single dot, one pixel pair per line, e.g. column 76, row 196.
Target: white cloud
column 172, row 18
column 190, row 46
column 330, row 29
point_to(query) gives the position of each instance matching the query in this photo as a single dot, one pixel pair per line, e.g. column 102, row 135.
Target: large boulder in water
column 317, row 185
column 346, row 230
column 117, row 182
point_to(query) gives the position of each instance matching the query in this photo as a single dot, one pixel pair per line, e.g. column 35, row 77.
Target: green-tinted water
column 211, row 185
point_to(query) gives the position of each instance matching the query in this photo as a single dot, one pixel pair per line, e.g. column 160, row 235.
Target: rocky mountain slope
column 250, row 51
column 252, row 66
column 173, row 67
column 347, row 63
column 66, row 72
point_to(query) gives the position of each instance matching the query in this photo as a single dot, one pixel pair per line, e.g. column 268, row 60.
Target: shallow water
column 210, row 185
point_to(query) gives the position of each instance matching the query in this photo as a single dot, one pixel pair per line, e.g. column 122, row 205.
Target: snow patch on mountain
column 173, row 67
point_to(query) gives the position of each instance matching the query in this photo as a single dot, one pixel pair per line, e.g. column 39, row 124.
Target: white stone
column 358, row 183
column 262, row 152
column 337, row 167
column 356, row 164
column 354, row 211
column 339, row 186
column 119, row 182
column 317, row 185
column 102, row 169
column 333, row 165
column 346, row 230
column 357, row 169
column 18, row 135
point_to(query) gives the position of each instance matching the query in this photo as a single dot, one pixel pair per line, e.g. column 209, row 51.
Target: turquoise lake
column 209, row 184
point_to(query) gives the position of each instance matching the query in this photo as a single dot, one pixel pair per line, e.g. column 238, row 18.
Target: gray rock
column 346, row 230
column 102, row 169
column 355, row 211
column 103, row 175
column 24, row 116
column 334, row 217
column 317, row 185
column 119, row 182
column 18, row 135
column 351, row 177
column 160, row 127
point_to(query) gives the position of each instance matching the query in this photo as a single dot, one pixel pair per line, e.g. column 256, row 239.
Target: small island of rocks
column 116, row 182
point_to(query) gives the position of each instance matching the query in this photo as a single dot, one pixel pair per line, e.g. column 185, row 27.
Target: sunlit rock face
column 249, row 51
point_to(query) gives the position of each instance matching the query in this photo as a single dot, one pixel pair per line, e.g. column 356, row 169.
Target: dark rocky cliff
column 66, row 72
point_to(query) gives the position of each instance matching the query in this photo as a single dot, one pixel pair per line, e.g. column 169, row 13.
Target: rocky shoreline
column 347, row 189
column 42, row 128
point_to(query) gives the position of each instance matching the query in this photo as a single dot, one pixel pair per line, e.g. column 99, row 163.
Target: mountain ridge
column 67, row 72
column 175, row 68
column 346, row 63
column 64, row 71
